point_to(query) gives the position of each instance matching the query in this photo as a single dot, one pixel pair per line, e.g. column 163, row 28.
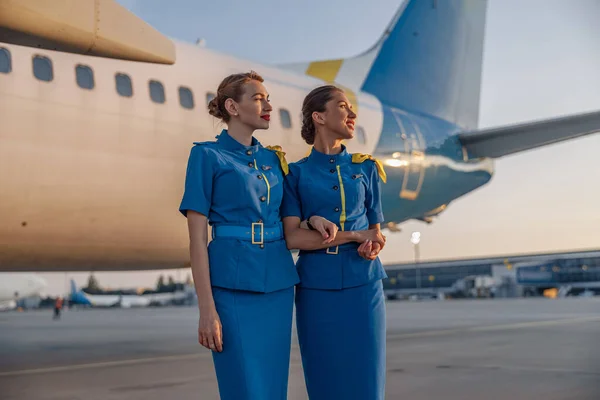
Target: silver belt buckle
column 262, row 233
column 336, row 251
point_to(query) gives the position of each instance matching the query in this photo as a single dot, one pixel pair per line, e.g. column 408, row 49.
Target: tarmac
column 457, row 349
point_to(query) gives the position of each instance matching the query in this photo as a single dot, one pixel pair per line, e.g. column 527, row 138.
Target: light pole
column 415, row 239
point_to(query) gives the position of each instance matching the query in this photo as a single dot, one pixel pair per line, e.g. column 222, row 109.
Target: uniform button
column 263, row 198
column 335, row 187
column 337, row 209
column 249, row 152
column 259, row 176
column 262, row 246
column 259, row 221
column 251, row 165
column 331, row 160
column 332, row 171
column 353, row 176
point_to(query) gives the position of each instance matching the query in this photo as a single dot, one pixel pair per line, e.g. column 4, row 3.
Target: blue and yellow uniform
column 340, row 307
column 240, row 189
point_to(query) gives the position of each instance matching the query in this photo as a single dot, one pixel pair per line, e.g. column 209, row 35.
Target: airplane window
column 286, row 119
column 186, row 98
column 157, row 91
column 123, row 84
column 5, row 61
column 209, row 97
column 85, row 77
column 360, row 135
column 42, row 68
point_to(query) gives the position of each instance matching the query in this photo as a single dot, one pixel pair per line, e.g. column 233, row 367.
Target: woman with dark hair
column 245, row 277
column 340, row 307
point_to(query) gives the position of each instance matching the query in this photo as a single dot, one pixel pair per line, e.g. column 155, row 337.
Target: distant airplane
column 124, row 300
column 18, row 286
column 80, row 297
column 98, row 117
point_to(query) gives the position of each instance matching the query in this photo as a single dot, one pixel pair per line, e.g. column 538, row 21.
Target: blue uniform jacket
column 344, row 192
column 238, row 185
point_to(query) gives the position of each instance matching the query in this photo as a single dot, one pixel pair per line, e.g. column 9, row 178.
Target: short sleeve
column 198, row 182
column 291, row 206
column 373, row 197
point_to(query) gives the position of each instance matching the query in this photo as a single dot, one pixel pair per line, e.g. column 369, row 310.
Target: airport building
column 510, row 276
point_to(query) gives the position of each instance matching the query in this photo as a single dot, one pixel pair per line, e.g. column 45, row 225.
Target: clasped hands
column 371, row 241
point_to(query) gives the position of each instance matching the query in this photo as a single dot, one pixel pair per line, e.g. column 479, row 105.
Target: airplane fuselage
column 91, row 179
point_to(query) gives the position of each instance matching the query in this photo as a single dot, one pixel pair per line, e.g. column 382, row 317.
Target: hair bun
column 213, row 108
column 308, row 131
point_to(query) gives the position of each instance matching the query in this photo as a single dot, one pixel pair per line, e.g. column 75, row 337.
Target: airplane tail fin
column 428, row 60
column 73, row 288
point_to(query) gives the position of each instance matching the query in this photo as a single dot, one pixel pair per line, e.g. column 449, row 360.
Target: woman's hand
column 327, row 228
column 369, row 250
column 372, row 235
column 210, row 334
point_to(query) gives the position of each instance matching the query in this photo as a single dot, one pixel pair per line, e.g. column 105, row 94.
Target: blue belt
column 256, row 232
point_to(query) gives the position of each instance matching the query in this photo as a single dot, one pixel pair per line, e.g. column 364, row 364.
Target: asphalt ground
column 467, row 349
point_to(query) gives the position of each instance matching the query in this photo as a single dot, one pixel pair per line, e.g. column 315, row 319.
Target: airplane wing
column 101, row 28
column 502, row 141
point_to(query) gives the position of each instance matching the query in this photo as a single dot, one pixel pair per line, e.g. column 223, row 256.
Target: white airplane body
column 126, row 300
column 70, row 157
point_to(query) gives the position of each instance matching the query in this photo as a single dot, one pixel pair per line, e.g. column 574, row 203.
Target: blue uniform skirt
column 255, row 360
column 342, row 341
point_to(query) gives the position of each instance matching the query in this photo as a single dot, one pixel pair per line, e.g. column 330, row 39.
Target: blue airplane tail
column 429, row 61
column 77, row 296
column 73, row 287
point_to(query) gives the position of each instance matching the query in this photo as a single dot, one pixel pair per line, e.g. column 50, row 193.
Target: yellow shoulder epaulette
column 358, row 158
column 281, row 156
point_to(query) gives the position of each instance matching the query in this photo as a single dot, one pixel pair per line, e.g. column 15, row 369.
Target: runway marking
column 442, row 332
column 525, row 368
column 102, row 364
column 491, row 328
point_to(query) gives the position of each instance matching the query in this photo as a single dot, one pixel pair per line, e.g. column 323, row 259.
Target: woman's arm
column 198, row 228
column 209, row 327
column 304, row 239
column 377, row 228
column 369, row 249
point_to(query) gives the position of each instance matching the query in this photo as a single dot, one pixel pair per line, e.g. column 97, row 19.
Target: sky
column 541, row 61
